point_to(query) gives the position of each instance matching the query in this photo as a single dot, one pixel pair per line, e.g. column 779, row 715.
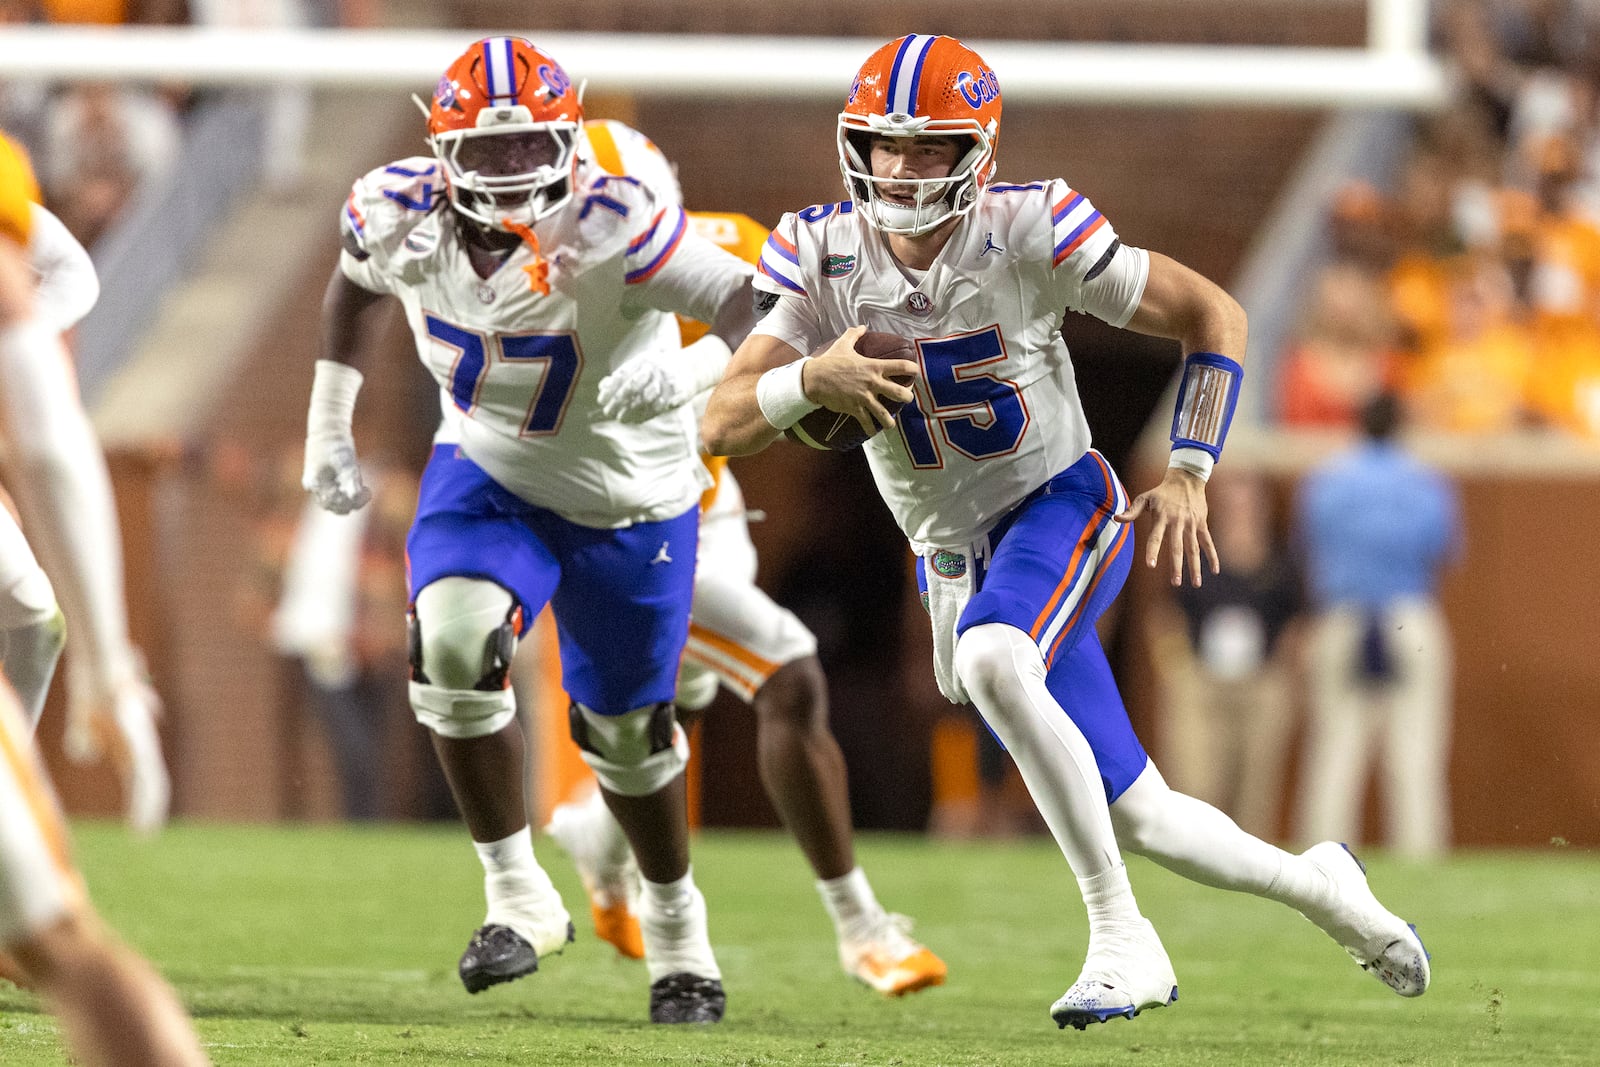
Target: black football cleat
column 682, row 997
column 497, row 954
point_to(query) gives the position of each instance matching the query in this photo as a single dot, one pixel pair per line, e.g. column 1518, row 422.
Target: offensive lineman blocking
column 525, row 285
column 1022, row 528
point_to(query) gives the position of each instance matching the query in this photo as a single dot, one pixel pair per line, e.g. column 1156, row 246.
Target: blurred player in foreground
column 64, row 491
column 759, row 650
column 113, row 1008
column 526, row 283
column 1022, row 527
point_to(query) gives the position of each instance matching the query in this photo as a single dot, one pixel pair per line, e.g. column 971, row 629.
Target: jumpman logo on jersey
column 661, row 554
column 989, row 245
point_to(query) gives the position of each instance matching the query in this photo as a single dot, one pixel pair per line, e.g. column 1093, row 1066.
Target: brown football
column 835, row 432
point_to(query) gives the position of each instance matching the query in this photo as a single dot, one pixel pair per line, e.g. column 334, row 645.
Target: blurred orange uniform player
column 114, row 1009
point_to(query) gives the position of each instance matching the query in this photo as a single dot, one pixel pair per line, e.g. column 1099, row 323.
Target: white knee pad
column 633, row 754
column 462, row 636
column 697, row 686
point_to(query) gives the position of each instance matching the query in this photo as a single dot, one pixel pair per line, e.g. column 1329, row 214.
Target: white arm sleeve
column 68, row 285
column 698, row 279
column 1113, row 295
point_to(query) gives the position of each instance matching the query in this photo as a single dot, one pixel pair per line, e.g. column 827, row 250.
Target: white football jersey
column 519, row 367
column 997, row 411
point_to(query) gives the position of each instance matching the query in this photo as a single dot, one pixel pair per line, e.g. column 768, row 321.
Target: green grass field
column 334, row 945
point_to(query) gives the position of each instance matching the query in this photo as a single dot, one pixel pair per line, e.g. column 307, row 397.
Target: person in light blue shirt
column 1376, row 527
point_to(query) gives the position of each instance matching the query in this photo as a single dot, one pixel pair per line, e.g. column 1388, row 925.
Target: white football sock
column 1004, row 674
column 851, row 905
column 1109, row 897
column 513, row 881
column 672, row 918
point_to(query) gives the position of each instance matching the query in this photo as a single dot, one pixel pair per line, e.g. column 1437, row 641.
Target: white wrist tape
column 703, row 362
column 333, row 399
column 1196, row 461
column 781, row 397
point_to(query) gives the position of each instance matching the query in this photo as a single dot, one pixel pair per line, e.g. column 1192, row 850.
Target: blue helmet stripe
column 902, row 95
column 500, row 73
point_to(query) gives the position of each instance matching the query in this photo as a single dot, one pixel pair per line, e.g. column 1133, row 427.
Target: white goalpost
column 1393, row 70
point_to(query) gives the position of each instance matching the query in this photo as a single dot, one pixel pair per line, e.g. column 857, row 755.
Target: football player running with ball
column 526, row 283
column 1023, row 530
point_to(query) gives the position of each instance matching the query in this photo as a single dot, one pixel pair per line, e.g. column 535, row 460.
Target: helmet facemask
column 508, row 167
column 937, row 200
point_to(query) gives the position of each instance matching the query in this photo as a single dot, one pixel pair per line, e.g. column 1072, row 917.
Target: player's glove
column 116, row 718
column 658, row 381
column 332, row 473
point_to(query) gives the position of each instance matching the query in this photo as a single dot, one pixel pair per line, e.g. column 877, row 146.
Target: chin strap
column 538, row 271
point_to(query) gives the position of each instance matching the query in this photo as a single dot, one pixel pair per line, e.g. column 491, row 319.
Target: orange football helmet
column 918, row 86
column 504, row 125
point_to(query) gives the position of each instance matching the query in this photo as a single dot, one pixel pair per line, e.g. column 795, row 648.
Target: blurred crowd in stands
column 94, row 145
column 1472, row 284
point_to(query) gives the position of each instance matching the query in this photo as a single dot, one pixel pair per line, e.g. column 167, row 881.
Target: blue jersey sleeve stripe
column 775, row 243
column 1064, row 208
column 633, row 277
column 1069, row 244
column 601, row 200
column 407, row 172
column 788, row 283
column 647, row 236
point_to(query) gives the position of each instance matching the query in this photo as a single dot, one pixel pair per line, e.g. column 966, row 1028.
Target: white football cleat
column 610, row 876
column 889, row 960
column 1127, row 971
column 1384, row 944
